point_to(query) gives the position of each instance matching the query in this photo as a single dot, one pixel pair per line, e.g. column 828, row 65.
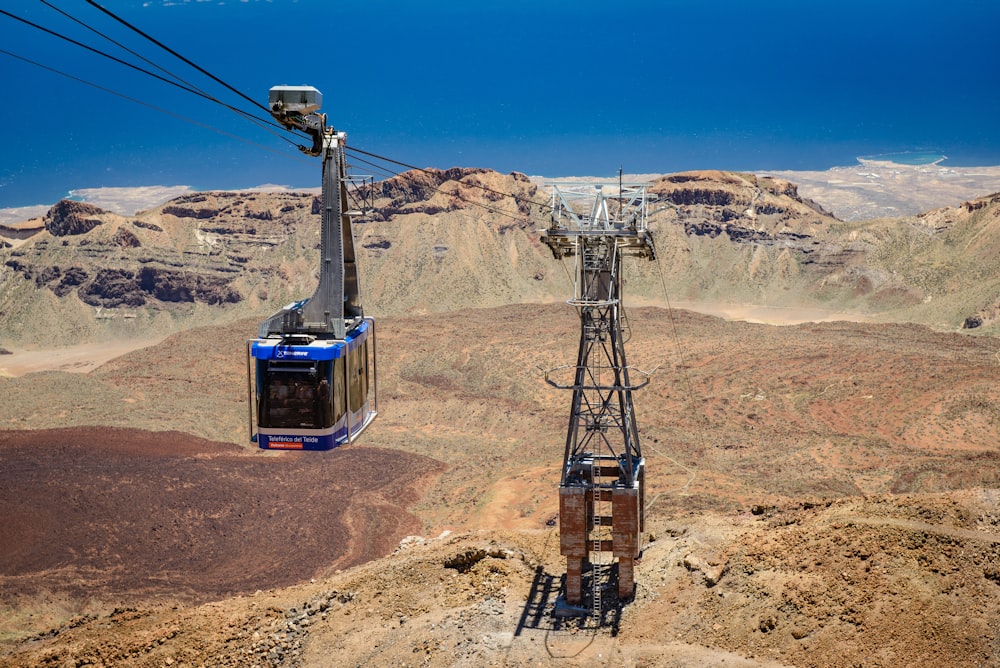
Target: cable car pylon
column 601, row 491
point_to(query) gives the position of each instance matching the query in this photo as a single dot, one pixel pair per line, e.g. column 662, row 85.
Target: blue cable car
column 313, row 384
column 314, row 394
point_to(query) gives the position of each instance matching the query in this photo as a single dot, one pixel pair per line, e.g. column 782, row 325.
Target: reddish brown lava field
column 93, row 512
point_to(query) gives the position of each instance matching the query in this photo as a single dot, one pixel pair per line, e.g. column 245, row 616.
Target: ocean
column 546, row 88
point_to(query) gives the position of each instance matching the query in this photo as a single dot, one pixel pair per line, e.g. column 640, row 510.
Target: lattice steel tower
column 601, row 493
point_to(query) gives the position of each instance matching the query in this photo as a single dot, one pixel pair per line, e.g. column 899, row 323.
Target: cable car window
column 324, row 393
column 289, row 397
column 363, row 372
column 339, row 404
column 355, row 367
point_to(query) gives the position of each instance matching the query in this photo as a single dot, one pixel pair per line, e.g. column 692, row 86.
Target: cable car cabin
column 309, row 393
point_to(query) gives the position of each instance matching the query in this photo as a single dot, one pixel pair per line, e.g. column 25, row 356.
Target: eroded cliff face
column 199, row 256
column 109, row 261
column 112, row 288
column 436, row 191
column 748, row 205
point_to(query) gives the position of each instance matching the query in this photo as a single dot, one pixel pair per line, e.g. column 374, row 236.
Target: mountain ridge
column 469, row 237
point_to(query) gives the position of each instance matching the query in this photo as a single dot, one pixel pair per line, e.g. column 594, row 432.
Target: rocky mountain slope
column 434, row 241
column 820, row 494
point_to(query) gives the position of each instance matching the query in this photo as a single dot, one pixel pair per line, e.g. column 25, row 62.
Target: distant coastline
column 909, row 158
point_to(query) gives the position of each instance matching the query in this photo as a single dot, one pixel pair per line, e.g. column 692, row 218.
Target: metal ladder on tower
column 597, row 537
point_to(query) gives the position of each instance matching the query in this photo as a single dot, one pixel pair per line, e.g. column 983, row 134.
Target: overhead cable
column 141, row 102
column 249, row 116
column 262, row 123
column 174, row 53
column 120, row 45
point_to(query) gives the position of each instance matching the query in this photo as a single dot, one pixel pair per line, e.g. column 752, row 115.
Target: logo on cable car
column 281, row 353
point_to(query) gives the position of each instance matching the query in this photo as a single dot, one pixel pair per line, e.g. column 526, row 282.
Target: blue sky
column 548, row 88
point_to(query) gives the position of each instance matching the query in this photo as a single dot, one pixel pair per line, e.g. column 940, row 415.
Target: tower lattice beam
column 601, row 492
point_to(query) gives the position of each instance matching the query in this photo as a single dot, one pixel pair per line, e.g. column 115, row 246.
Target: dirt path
column 75, row 359
column 756, row 313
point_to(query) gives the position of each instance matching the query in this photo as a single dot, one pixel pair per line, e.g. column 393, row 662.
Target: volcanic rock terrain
column 820, row 494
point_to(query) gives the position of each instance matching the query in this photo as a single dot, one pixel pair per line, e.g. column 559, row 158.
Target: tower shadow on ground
column 546, row 609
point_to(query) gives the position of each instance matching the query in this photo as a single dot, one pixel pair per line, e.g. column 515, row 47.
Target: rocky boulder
column 69, row 280
column 199, row 206
column 112, row 288
column 125, row 238
column 184, row 286
column 70, row 218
